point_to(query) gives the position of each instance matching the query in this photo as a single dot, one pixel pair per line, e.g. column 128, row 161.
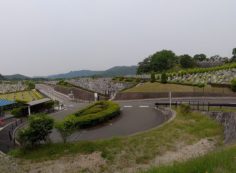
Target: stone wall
column 228, row 120
column 78, row 93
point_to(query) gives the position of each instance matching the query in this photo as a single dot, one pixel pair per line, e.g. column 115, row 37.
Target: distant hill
column 16, row 77
column 73, row 74
column 115, row 71
column 120, row 71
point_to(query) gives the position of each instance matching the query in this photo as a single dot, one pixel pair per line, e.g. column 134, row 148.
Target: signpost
column 170, row 97
column 96, row 97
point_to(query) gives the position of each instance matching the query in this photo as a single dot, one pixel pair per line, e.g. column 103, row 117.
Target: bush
column 153, row 78
column 20, row 112
column 64, row 130
column 233, row 85
column 92, row 115
column 185, row 109
column 163, row 78
column 40, row 126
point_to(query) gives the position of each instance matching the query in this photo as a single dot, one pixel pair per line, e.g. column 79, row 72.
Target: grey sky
column 40, row 37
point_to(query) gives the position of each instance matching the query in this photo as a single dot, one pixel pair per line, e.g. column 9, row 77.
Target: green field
column 25, row 96
column 223, row 161
column 121, row 152
column 158, row 87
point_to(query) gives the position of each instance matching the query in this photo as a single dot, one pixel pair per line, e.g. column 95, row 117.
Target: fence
column 197, row 105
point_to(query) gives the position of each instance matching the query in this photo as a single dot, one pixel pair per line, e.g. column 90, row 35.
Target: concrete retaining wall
column 228, row 120
column 149, row 95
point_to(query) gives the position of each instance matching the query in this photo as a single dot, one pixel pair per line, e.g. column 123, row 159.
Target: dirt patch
column 182, row 153
column 94, row 163
column 73, row 164
column 187, row 152
column 9, row 165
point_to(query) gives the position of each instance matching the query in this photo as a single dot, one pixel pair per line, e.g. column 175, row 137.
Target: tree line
column 167, row 60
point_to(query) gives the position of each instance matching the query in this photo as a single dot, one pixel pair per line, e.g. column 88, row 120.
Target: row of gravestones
column 217, row 77
column 100, row 85
column 7, row 88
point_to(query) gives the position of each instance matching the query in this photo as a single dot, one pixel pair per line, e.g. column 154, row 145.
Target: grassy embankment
column 25, row 96
column 141, row 148
column 158, row 87
column 222, row 161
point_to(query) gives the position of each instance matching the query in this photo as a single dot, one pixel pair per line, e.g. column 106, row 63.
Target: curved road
column 135, row 117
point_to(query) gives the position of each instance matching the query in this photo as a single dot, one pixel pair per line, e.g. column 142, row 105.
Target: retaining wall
column 228, row 120
column 149, row 95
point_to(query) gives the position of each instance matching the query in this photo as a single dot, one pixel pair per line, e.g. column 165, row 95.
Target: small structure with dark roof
column 36, row 102
column 5, row 103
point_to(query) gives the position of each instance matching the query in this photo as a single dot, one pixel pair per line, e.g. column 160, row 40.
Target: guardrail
column 196, row 104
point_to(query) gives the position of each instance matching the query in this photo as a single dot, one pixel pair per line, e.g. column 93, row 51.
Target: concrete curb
column 15, row 130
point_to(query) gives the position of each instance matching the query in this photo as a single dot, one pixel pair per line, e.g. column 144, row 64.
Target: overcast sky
column 41, row 37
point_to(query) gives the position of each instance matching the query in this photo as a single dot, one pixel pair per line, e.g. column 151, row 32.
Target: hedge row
column 92, row 115
column 204, row 70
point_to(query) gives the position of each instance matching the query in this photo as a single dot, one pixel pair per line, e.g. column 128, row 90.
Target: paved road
column 135, row 117
column 54, row 95
column 6, row 133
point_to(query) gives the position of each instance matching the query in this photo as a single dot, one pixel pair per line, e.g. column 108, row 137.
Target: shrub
column 20, row 112
column 64, row 130
column 233, row 85
column 153, row 78
column 185, row 109
column 163, row 78
column 40, row 126
column 92, row 115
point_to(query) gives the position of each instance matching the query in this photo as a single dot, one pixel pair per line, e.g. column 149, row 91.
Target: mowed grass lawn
column 122, row 152
column 222, row 161
column 158, row 87
column 26, row 96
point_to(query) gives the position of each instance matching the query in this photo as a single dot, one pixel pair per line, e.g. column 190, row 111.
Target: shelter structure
column 5, row 104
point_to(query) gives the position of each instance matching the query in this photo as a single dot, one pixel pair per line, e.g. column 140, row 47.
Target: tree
column 30, row 84
column 233, row 59
column 1, row 77
column 234, row 52
column 40, row 126
column 233, row 85
column 144, row 66
column 163, row 60
column 199, row 57
column 153, row 78
column 186, row 61
column 163, row 78
column 64, row 130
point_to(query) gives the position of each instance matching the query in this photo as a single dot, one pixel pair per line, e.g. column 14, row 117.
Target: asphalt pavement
column 135, row 117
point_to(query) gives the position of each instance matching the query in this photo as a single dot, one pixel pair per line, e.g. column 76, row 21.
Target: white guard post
column 29, row 111
column 96, row 97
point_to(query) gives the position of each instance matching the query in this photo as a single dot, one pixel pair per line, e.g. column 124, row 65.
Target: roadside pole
column 170, row 96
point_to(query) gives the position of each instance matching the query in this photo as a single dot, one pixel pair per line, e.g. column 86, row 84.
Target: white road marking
column 127, row 106
column 143, row 106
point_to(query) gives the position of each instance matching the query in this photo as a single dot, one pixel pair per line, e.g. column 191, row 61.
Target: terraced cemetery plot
column 158, row 87
column 216, row 77
column 26, row 96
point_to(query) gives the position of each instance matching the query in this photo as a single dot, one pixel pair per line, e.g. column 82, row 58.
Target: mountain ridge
column 114, row 71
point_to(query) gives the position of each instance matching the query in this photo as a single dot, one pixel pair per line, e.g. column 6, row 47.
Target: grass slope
column 141, row 148
column 158, row 87
column 26, row 96
column 223, row 161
